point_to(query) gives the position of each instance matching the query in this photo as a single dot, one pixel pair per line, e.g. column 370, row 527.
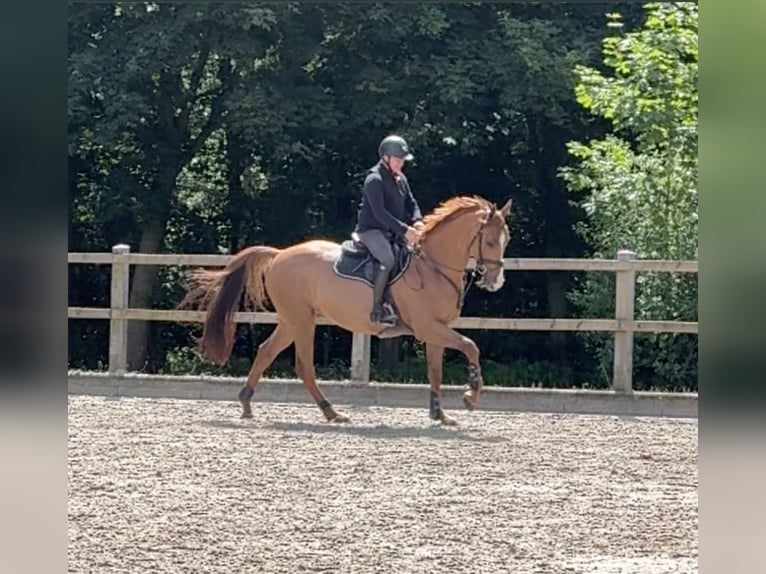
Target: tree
column 155, row 80
column 642, row 178
column 294, row 99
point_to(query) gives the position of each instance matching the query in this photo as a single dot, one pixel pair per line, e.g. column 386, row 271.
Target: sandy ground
column 166, row 486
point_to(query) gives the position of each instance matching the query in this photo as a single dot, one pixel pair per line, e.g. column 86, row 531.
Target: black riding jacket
column 387, row 202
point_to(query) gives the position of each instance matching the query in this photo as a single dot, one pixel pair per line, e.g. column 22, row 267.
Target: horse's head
column 470, row 227
column 489, row 244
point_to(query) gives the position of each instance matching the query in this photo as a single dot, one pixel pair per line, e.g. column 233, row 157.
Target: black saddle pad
column 356, row 262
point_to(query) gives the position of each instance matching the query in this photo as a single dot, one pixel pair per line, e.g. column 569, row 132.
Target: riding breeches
column 379, row 246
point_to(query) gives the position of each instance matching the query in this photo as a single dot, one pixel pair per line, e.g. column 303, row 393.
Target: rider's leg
column 380, row 248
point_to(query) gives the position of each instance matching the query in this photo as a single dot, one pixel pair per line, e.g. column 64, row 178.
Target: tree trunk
column 556, row 282
column 555, row 225
column 142, row 285
column 237, row 161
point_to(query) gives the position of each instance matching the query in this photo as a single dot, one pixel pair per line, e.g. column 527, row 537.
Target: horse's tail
column 219, row 293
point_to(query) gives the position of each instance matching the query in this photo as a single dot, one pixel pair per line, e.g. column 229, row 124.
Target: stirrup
column 384, row 315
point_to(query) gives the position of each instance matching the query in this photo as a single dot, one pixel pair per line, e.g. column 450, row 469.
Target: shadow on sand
column 434, row 431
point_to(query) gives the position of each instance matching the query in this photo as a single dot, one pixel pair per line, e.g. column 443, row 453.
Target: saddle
column 356, row 262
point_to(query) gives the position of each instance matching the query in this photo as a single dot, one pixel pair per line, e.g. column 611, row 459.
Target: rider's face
column 395, row 163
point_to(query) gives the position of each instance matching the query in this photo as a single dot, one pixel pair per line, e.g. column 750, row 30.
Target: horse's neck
column 450, row 247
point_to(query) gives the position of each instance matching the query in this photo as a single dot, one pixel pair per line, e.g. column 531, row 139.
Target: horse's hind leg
column 304, row 368
column 277, row 342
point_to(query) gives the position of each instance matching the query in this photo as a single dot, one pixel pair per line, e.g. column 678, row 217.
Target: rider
column 387, row 210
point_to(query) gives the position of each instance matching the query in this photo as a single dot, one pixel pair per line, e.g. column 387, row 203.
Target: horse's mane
column 450, row 208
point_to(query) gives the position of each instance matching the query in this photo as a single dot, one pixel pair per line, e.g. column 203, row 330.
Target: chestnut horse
column 301, row 283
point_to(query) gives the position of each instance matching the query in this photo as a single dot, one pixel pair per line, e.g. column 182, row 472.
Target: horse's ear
column 506, row 209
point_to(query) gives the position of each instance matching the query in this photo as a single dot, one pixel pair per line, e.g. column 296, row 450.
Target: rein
column 435, row 265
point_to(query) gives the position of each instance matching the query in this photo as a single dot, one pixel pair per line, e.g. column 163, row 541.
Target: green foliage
column 642, row 179
column 228, row 125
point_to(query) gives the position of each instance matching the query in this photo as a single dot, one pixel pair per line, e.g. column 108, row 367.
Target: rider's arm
column 412, row 207
column 373, row 191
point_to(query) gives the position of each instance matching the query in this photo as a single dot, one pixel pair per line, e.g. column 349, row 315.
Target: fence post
column 625, row 293
column 360, row 358
column 118, row 327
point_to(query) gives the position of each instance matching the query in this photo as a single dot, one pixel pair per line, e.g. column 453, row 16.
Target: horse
column 318, row 277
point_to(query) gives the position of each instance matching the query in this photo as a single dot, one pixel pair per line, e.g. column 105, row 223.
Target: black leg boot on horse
column 381, row 310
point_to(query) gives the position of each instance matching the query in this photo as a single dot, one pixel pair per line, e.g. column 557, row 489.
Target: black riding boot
column 381, row 312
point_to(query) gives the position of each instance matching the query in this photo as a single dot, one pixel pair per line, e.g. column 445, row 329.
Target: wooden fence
column 623, row 325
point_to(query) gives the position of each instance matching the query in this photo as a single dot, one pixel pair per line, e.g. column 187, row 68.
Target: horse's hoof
column 448, row 421
column 247, row 415
column 340, row 418
column 469, row 402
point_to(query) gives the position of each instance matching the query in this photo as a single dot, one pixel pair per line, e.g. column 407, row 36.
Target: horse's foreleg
column 434, row 359
column 304, row 368
column 441, row 335
column 277, row 342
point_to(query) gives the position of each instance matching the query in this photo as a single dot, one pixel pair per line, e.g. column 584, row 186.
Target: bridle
column 482, row 262
column 479, row 270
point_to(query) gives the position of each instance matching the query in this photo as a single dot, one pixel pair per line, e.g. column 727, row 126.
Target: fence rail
column 623, row 325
